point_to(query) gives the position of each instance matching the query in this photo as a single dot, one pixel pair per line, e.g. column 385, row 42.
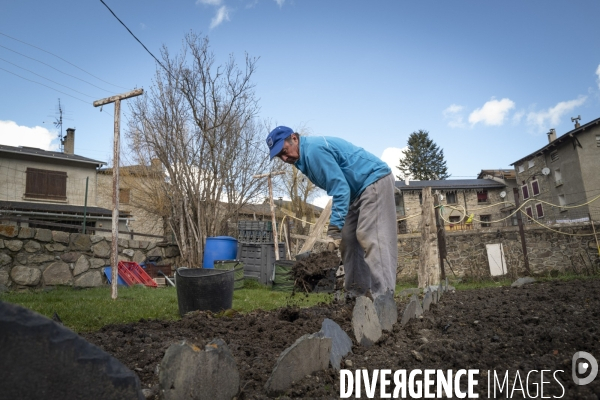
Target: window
column 525, row 191
column 597, row 140
column 562, row 201
column 521, row 168
column 539, row 209
column 124, row 195
column 46, row 184
column 455, row 219
column 557, row 177
column 529, row 212
column 482, row 197
column 535, row 187
column 485, row 220
column 531, row 163
column 399, row 199
column 554, row 156
column 421, row 198
column 451, row 197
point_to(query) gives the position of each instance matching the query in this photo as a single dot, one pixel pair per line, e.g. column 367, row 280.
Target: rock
column 52, row 247
column 129, row 252
column 81, row 265
column 26, row 233
column 32, row 246
column 96, row 238
column 440, row 292
column 341, row 344
column 1, row 243
column 21, row 258
column 13, row 245
column 58, row 273
column 9, row 231
column 387, row 310
column 308, row 354
column 155, row 252
column 89, row 279
column 80, row 242
column 101, row 249
column 124, row 243
column 434, row 297
column 60, row 237
column 418, row 307
column 98, row 263
column 39, row 258
column 43, row 235
column 187, row 372
column 25, row 276
column 417, row 355
column 139, row 257
column 409, row 292
column 65, row 366
column 70, row 257
column 409, row 312
column 5, row 259
column 171, row 251
column 348, row 363
column 365, row 322
column 522, row 281
column 427, row 299
column 134, row 244
column 3, row 277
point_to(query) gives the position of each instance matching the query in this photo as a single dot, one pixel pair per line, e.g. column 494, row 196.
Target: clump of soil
column 317, row 272
column 537, row 327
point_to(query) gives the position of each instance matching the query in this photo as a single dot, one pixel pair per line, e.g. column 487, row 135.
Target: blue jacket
column 340, row 168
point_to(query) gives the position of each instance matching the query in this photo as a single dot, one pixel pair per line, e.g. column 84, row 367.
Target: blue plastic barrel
column 219, row 248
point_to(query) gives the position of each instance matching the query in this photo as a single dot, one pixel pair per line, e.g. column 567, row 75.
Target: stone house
column 466, row 203
column 49, row 189
column 139, row 197
column 559, row 180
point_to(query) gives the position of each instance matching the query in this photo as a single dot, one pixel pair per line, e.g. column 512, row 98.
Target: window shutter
column 45, row 184
column 525, row 190
column 539, row 210
column 535, row 187
column 124, row 195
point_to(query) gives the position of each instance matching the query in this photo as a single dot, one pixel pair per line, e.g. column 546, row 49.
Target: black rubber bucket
column 204, row 289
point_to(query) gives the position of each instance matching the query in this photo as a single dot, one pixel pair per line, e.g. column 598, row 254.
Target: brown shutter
column 45, row 184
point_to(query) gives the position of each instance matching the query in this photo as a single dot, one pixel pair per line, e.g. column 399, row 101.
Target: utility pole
column 441, row 235
column 268, row 176
column 115, row 212
column 521, row 231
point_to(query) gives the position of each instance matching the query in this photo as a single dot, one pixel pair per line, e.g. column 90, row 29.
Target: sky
column 486, row 79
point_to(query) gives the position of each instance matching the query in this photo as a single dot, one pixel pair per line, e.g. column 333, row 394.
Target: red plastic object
column 133, row 274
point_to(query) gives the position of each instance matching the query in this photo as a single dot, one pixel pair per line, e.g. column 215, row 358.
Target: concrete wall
column 13, row 179
column 547, row 251
column 38, row 258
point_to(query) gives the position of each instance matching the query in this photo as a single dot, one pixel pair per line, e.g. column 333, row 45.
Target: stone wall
column 547, row 251
column 38, row 258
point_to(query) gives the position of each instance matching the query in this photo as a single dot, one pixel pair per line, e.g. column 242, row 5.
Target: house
column 560, row 181
column 52, row 190
column 465, row 203
column 140, row 189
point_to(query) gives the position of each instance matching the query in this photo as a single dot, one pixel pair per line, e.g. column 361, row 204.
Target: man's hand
column 335, row 234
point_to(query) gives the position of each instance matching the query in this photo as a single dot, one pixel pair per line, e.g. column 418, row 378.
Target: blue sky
column 486, row 79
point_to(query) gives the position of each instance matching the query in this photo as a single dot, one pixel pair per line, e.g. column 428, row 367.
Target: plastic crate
column 258, row 259
column 133, row 274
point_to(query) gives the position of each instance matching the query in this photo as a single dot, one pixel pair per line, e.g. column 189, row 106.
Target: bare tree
column 199, row 120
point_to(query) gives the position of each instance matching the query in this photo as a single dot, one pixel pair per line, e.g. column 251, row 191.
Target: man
column 363, row 212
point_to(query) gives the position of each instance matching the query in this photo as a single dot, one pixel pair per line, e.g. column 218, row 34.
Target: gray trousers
column 369, row 240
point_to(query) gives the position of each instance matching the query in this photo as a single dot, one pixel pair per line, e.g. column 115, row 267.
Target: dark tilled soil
column 316, row 272
column 537, row 327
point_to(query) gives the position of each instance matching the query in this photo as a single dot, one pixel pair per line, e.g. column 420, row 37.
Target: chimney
column 69, row 142
column 551, row 136
column 406, row 181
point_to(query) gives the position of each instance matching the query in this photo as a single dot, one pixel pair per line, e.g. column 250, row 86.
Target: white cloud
column 209, row 2
column 321, row 201
column 454, row 116
column 598, row 73
column 280, row 2
column 518, row 116
column 544, row 120
column 12, row 134
column 391, row 156
column 222, row 15
column 492, row 113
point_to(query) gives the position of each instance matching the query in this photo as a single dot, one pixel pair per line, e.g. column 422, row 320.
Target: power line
column 56, row 69
column 60, row 84
column 49, row 87
column 60, row 58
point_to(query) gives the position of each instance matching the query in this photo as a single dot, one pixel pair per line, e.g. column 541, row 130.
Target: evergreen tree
column 423, row 160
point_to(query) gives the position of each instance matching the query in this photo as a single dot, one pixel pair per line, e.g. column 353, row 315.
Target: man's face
column 290, row 152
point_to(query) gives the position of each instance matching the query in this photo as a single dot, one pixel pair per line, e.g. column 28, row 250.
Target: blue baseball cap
column 276, row 138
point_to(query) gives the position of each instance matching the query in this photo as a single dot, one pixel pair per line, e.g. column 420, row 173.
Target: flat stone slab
column 427, row 299
column 365, row 322
column 308, row 354
column 187, row 372
column 522, row 281
column 434, row 297
column 409, row 312
column 47, row 360
column 440, row 292
column 387, row 311
column 419, row 307
column 341, row 344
